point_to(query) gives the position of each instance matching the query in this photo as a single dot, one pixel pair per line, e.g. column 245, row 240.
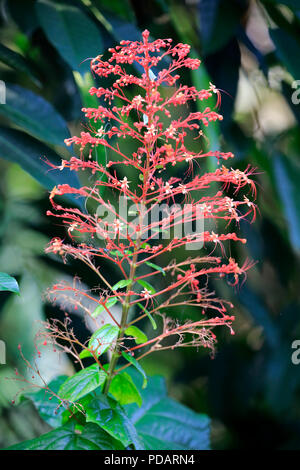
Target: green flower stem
column 123, row 324
column 126, row 304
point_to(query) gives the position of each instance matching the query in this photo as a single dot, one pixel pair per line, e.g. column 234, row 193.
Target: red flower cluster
column 142, row 177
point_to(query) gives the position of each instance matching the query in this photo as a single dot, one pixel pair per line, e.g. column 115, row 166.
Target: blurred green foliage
column 250, row 51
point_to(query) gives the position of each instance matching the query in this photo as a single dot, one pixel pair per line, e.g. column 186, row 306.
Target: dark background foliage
column 250, row 50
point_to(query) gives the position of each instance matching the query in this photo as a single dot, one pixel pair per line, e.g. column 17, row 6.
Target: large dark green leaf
column 8, row 283
column 122, row 29
column 122, row 9
column 287, row 178
column 219, row 23
column 293, row 4
column 261, row 316
column 82, row 383
column 16, row 61
column 162, row 423
column 30, row 154
column 50, row 411
column 208, row 12
column 73, row 34
column 92, row 437
column 109, row 415
column 23, row 14
column 34, row 114
column 223, row 67
column 287, row 49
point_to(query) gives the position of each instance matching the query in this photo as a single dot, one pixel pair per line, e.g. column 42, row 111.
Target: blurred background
column 250, row 50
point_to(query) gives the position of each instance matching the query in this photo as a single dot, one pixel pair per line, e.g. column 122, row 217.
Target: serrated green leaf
column 8, row 283
column 147, row 286
column 137, row 365
column 121, row 284
column 71, row 32
column 34, row 114
column 67, row 437
column 101, row 340
column 139, row 336
column 124, row 390
column 108, row 414
column 100, row 308
column 82, row 383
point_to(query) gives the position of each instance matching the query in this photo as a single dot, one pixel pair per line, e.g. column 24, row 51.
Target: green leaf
column 120, row 10
column 182, row 19
column 29, row 153
column 257, row 307
column 71, row 32
column 137, row 365
column 16, row 61
column 286, row 50
column 108, row 414
column 201, row 80
column 67, row 437
column 101, row 340
column 145, row 245
column 293, row 4
column 121, row 284
column 82, row 383
column 147, row 286
column 153, row 322
column 218, row 24
column 124, row 390
column 110, row 303
column 24, row 16
column 164, row 424
column 84, row 82
column 139, row 336
column 8, row 283
column 119, row 253
column 159, row 230
column 85, row 353
column 287, row 178
column 50, row 411
column 34, row 114
column 156, row 267
column 208, row 13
